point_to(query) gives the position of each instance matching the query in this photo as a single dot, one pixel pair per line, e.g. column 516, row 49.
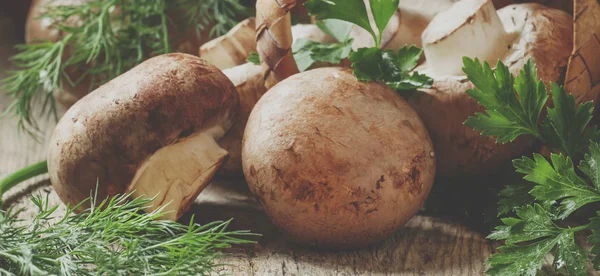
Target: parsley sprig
column 369, row 64
column 115, row 238
column 557, row 188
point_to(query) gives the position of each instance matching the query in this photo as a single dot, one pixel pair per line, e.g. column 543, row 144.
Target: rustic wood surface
column 426, row 246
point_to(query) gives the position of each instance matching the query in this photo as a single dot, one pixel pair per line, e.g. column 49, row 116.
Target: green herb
column 369, row 64
column 24, row 174
column 509, row 114
column 254, row 58
column 373, row 64
column 556, row 187
column 115, row 238
column 307, row 52
column 104, row 45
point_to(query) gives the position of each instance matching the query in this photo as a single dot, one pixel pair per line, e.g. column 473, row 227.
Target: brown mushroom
column 335, row 162
column 473, row 28
column 152, row 131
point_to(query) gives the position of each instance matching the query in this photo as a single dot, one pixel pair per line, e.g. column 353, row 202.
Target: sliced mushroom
column 152, row 131
column 473, row 28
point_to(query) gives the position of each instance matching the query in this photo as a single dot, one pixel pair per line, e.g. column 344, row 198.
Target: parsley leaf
column 373, row 64
column 557, row 182
column 594, row 240
column 565, row 128
column 382, row 11
column 508, row 114
column 353, row 11
column 369, row 64
column 338, row 29
column 534, row 226
column 533, row 222
column 513, row 196
column 557, row 186
column 570, row 256
column 307, row 52
column 254, row 58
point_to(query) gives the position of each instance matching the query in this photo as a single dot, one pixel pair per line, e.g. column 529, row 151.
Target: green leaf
column 514, row 196
column 366, row 63
column 302, row 51
column 373, row 64
column 570, row 256
column 411, row 82
column 590, row 165
column 353, row 11
column 534, row 226
column 307, row 52
column 520, row 260
column 382, row 11
column 533, row 222
column 556, row 182
column 408, row 57
column 338, row 29
column 332, row 53
column 594, row 240
column 566, row 124
column 512, row 107
column 254, row 58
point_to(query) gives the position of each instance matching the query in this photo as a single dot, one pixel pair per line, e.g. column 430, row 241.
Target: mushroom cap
column 540, row 33
column 337, row 162
column 107, row 136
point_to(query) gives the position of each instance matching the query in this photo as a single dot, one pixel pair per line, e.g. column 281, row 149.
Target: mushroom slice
column 471, row 28
column 526, row 31
column 151, row 131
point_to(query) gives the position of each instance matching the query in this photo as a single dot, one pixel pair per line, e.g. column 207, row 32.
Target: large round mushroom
column 473, row 28
column 336, row 162
column 151, row 131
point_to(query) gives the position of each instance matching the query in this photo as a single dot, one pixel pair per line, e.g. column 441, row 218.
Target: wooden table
column 426, row 246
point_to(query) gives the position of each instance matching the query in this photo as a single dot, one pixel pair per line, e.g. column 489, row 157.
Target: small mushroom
column 152, row 131
column 473, row 28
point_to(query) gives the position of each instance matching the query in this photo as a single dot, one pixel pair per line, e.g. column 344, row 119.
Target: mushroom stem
column 177, row 173
column 469, row 28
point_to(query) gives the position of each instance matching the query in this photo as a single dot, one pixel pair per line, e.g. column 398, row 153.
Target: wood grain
column 426, row 246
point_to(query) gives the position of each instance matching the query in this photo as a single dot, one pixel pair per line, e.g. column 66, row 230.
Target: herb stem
column 21, row 175
column 580, row 228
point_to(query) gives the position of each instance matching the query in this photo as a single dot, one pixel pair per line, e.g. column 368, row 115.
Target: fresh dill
column 114, row 238
column 115, row 36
